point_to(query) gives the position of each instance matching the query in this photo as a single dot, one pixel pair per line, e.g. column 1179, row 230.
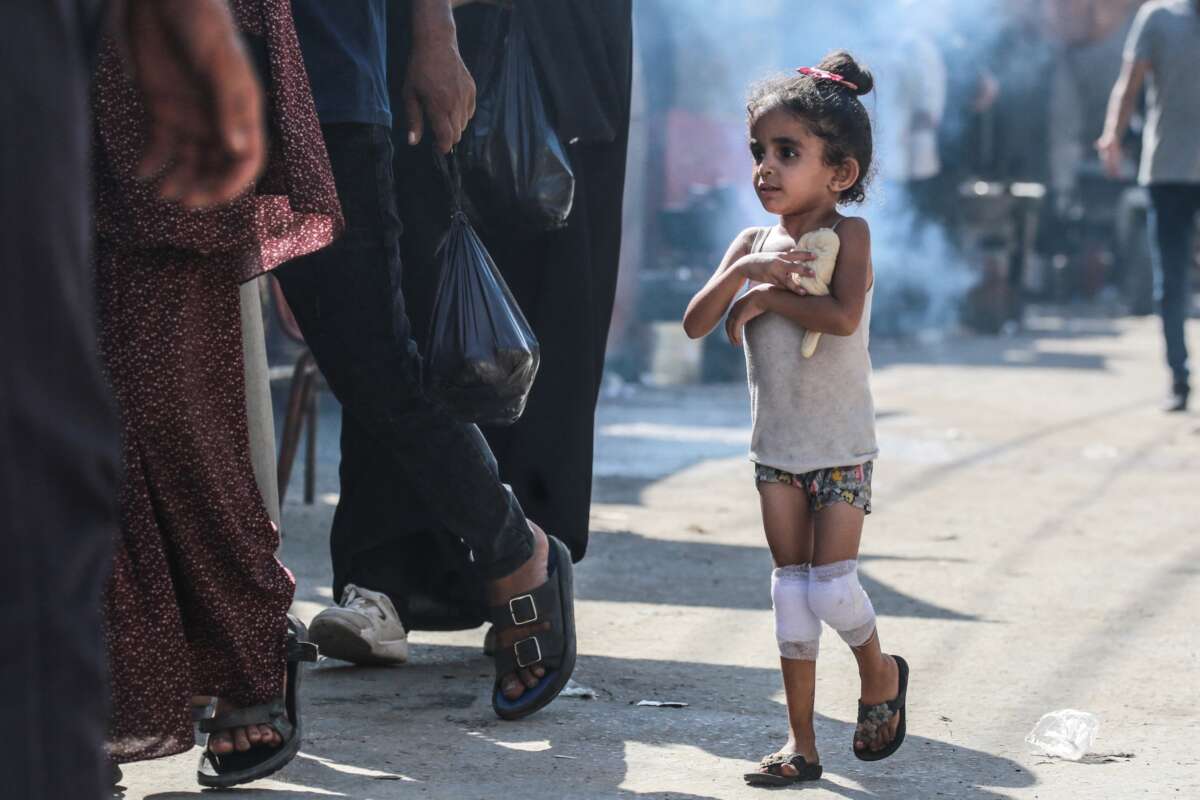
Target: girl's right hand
column 776, row 269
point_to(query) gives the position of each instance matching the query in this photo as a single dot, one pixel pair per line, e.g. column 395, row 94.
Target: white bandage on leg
column 797, row 629
column 836, row 596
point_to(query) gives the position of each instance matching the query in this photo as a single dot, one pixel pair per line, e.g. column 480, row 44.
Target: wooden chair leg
column 293, row 422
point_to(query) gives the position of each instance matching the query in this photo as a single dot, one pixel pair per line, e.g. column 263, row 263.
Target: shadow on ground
column 1028, row 349
column 447, row 742
column 715, row 575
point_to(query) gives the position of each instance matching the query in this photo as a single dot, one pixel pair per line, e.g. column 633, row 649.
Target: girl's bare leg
column 837, row 535
column 800, row 687
column 787, row 522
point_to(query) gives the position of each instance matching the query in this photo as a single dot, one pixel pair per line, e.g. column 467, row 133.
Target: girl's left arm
column 840, row 312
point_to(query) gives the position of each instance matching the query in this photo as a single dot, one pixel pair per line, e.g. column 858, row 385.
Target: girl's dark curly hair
column 831, row 110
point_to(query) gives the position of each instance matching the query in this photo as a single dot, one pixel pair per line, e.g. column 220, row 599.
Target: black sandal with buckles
column 553, row 603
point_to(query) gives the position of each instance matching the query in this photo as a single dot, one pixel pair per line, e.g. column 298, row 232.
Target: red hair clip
column 817, row 72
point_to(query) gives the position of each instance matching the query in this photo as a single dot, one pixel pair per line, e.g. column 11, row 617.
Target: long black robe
column 565, row 282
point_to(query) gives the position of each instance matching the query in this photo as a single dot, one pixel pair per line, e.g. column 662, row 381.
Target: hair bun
column 842, row 63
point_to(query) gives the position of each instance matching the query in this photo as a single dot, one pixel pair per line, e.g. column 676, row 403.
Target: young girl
column 813, row 442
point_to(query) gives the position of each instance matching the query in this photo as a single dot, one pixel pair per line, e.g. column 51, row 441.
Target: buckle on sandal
column 525, row 604
column 302, row 651
column 521, row 649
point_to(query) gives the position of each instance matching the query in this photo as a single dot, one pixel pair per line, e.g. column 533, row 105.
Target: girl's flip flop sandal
column 771, row 771
column 872, row 718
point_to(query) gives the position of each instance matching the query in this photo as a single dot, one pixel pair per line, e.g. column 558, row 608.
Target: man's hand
column 777, row 269
column 204, row 103
column 746, row 308
column 438, row 89
column 1109, row 148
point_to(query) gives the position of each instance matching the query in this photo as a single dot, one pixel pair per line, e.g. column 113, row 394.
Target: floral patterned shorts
column 826, row 486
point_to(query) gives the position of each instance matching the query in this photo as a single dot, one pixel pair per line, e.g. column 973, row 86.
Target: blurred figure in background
column 1163, row 46
column 912, row 105
column 1092, row 34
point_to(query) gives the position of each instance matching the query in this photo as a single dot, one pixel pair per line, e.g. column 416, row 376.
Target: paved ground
column 1036, row 546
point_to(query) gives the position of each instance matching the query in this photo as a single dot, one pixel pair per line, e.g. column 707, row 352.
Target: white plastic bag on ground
column 1065, row 734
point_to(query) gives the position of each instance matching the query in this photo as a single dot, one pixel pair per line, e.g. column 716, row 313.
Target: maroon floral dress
column 198, row 599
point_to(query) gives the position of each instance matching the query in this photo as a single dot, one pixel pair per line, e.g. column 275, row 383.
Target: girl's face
column 790, row 173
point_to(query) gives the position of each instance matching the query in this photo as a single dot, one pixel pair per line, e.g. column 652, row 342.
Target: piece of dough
column 824, row 244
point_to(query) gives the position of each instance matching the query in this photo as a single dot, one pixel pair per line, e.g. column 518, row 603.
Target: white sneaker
column 363, row 629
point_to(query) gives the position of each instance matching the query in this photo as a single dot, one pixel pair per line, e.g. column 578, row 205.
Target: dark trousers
column 1173, row 210
column 350, row 306
column 58, row 446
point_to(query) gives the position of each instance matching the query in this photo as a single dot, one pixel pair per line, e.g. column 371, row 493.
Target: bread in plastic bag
column 482, row 356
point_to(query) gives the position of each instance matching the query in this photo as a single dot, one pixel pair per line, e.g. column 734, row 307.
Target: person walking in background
column 58, row 477
column 914, row 104
column 813, row 440
column 1162, row 49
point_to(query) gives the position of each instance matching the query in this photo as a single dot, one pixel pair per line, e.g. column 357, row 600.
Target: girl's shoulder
column 853, row 231
column 854, row 226
column 758, row 234
column 750, row 239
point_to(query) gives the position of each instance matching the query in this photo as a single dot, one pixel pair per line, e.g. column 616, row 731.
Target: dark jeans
column 386, row 537
column 58, row 440
column 348, row 301
column 1173, row 209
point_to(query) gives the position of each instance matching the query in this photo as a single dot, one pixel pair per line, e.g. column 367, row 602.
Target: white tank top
column 809, row 413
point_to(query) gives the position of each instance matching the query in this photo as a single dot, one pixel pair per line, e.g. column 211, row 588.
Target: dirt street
column 1035, row 546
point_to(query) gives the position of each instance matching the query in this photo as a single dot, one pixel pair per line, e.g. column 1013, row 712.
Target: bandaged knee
column 797, row 628
column 836, row 596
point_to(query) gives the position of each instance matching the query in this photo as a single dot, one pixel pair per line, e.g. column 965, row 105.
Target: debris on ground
column 1107, row 758
column 1065, row 734
column 662, row 703
column 574, row 689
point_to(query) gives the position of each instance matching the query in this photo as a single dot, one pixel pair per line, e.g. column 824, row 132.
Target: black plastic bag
column 516, row 168
column 482, row 355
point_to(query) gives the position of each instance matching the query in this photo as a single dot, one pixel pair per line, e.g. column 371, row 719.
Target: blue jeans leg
column 1172, row 223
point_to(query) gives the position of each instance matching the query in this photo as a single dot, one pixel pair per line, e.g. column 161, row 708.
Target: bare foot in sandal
column 879, row 685
column 792, row 764
column 530, row 575
column 239, row 739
